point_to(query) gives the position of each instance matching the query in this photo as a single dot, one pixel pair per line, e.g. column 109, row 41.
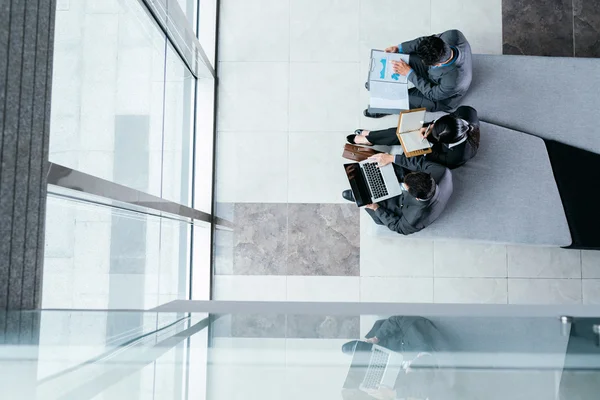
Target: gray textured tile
column 586, row 22
column 590, row 263
column 258, row 325
column 326, row 327
column 259, row 239
column 324, row 239
column 537, row 28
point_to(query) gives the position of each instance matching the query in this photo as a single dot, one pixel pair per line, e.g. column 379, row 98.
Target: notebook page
column 414, row 141
column 411, row 121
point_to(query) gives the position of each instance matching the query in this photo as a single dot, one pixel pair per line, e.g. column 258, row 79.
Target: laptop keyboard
column 375, row 180
column 377, row 366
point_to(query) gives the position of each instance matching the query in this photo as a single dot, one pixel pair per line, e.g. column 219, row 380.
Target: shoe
column 350, row 138
column 348, row 195
column 367, row 114
column 348, row 348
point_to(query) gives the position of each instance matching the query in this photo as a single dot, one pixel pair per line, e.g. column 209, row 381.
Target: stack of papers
column 388, row 90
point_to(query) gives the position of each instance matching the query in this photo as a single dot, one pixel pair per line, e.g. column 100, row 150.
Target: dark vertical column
column 26, row 46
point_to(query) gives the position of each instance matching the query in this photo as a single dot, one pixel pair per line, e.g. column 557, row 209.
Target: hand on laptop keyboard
column 382, row 159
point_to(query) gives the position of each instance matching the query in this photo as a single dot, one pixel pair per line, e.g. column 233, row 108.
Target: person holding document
column 455, row 137
column 439, row 67
column 426, row 188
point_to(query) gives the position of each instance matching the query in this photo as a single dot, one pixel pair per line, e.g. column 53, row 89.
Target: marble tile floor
column 279, row 173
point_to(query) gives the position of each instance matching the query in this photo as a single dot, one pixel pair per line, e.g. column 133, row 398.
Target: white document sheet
column 382, row 68
column 388, row 96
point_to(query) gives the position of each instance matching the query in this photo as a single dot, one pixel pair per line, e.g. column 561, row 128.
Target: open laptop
column 373, row 366
column 370, row 183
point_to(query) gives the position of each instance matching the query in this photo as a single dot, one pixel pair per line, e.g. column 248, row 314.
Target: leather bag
column 358, row 153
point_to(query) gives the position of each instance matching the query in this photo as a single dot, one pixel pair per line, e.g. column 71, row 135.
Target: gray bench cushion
column 506, row 194
column 551, row 97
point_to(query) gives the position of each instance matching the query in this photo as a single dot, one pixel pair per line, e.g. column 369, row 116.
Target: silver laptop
column 370, row 183
column 384, row 367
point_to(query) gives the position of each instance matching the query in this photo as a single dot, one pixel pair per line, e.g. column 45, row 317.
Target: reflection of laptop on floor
column 370, row 183
column 373, row 366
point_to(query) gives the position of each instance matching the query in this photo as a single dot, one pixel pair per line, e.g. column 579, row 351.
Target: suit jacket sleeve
column 395, row 222
column 421, row 164
column 389, row 328
column 373, row 215
column 434, row 91
column 411, row 45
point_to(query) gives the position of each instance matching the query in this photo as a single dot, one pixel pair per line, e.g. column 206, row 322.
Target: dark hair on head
column 433, row 50
column 450, row 129
column 420, row 184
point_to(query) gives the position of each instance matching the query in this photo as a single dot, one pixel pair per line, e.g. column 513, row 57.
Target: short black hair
column 449, row 128
column 433, row 50
column 419, row 184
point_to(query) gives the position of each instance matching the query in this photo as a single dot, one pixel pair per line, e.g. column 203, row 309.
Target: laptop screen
column 359, row 366
column 358, row 185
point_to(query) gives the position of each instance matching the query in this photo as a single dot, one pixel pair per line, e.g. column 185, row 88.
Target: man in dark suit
column 440, row 67
column 426, row 189
column 424, row 349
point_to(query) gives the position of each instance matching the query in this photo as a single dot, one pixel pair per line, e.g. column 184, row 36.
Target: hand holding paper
column 400, row 67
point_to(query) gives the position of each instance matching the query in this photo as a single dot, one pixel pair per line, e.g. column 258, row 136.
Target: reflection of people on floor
column 439, row 67
column 455, row 137
column 424, row 350
column 426, row 185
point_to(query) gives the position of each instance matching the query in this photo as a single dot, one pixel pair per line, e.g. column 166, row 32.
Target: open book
column 388, row 90
column 409, row 133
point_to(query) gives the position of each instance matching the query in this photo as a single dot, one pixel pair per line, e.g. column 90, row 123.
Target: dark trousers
column 385, row 137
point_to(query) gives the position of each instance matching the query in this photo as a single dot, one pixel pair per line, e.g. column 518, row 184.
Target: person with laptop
column 439, row 67
column 423, row 348
column 423, row 195
column 455, row 137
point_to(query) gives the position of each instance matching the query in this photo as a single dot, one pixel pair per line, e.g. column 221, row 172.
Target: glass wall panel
column 201, row 270
column 291, row 351
column 105, row 258
column 203, row 177
column 208, row 28
column 177, row 150
column 189, row 8
column 108, row 90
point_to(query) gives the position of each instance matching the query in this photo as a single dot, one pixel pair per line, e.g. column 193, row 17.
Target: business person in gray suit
column 427, row 187
column 440, row 67
column 427, row 357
